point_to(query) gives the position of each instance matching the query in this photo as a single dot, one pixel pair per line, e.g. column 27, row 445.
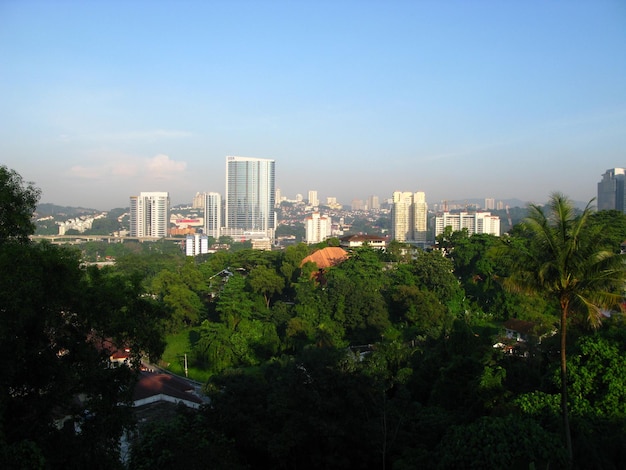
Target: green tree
column 18, row 201
column 565, row 263
column 184, row 440
column 184, row 303
column 354, row 295
column 265, row 281
column 499, row 442
column 61, row 402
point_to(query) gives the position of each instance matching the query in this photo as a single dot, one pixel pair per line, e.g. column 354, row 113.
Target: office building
column 611, row 190
column 490, row 203
column 409, row 217
column 474, row 222
column 250, row 196
column 318, row 228
column 212, row 203
column 150, row 215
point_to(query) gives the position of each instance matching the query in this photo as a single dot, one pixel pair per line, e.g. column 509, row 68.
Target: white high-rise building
column 409, row 220
column 318, row 228
column 212, row 215
column 490, row 203
column 420, row 217
column 150, row 215
column 474, row 222
column 250, row 196
column 401, row 216
column 313, row 200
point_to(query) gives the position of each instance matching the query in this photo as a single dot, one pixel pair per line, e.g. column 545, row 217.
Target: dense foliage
column 62, row 405
column 386, row 360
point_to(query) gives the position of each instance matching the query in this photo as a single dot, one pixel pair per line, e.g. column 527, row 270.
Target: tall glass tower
column 250, row 194
column 611, row 190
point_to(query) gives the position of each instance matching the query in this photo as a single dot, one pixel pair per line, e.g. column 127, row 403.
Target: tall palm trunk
column 564, row 408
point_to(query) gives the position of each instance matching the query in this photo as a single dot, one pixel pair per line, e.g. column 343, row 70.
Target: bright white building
column 318, row 228
column 474, row 222
column 212, row 214
column 196, row 244
column 409, row 222
column 149, row 215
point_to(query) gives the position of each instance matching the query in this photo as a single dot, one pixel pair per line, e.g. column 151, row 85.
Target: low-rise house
column 518, row 330
column 155, row 387
column 355, row 241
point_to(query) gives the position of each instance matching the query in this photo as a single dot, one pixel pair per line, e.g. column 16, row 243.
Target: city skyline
column 460, row 100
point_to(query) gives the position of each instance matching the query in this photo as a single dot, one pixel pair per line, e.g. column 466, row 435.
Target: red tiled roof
column 151, row 384
column 326, row 257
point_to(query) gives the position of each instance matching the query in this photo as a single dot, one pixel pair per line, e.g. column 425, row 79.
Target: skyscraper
column 611, row 190
column 150, row 215
column 401, row 216
column 409, row 221
column 313, row 200
column 250, row 195
column 212, row 214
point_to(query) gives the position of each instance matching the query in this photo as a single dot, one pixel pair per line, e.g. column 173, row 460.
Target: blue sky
column 101, row 100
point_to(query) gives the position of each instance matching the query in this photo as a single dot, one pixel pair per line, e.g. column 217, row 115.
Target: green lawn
column 173, row 358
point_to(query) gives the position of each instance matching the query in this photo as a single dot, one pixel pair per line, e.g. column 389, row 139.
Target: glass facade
column 250, row 194
column 611, row 190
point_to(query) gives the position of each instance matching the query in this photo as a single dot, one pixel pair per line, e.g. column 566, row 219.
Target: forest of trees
column 386, row 360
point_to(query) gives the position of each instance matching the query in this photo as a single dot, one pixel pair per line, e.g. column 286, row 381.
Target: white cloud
column 124, row 167
column 161, row 167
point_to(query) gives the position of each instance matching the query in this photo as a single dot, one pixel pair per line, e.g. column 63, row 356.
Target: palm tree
column 564, row 262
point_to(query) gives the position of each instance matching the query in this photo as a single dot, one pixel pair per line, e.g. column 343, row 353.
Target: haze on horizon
column 103, row 100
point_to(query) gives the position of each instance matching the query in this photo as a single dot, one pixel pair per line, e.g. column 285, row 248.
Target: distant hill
column 46, row 209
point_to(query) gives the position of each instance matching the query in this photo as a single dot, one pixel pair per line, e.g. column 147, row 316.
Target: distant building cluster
column 80, row 224
column 247, row 213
